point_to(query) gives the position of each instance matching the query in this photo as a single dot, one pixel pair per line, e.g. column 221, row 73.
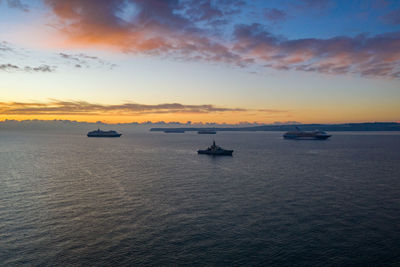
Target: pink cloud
column 170, row 27
column 368, row 56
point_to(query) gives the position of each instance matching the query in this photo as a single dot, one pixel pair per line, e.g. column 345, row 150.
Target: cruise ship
column 100, row 133
column 306, row 135
column 215, row 150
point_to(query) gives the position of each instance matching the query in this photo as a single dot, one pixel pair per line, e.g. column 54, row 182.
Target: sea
column 148, row 199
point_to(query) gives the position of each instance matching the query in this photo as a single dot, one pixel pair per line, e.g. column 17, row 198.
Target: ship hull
column 324, row 137
column 174, row 131
column 206, row 132
column 219, row 153
column 109, row 136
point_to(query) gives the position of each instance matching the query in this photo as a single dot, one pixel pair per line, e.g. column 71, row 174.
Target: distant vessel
column 304, row 135
column 174, row 131
column 100, row 133
column 215, row 150
column 206, row 132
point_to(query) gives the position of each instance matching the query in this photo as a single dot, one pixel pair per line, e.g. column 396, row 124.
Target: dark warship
column 215, row 150
column 100, row 133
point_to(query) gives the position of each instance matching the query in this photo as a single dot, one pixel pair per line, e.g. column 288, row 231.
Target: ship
column 100, row 133
column 174, row 131
column 306, row 135
column 206, row 132
column 215, row 150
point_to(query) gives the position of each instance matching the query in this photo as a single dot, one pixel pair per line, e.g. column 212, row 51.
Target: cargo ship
column 174, row 131
column 100, row 133
column 206, row 132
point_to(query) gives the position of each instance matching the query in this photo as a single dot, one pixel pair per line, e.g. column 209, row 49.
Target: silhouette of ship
column 174, row 131
column 306, row 135
column 100, row 133
column 215, row 150
column 206, row 132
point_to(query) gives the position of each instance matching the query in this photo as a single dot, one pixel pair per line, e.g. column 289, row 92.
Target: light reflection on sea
column 148, row 198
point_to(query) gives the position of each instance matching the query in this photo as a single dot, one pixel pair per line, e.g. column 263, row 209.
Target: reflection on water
column 148, row 198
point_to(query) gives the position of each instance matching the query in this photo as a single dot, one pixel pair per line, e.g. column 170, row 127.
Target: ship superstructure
column 100, row 133
column 306, row 135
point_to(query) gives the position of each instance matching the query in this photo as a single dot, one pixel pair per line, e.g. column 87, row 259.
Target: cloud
column 100, row 22
column 57, row 107
column 209, row 11
column 8, row 67
column 84, row 60
column 286, row 122
column 183, row 29
column 157, row 27
column 12, row 51
column 79, row 60
column 15, row 54
column 42, row 68
column 275, row 15
column 315, row 4
column 377, row 55
column 17, row 4
column 5, row 47
column 14, row 68
column 393, row 17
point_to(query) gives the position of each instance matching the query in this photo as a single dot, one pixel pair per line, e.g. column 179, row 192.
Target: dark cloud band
column 14, row 68
column 56, row 107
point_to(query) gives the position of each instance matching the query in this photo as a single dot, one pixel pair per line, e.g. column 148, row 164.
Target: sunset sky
column 309, row 61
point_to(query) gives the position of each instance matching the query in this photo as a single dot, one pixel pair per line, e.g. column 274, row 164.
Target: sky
column 232, row 61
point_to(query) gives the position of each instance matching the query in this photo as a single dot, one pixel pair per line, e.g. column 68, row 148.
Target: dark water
column 149, row 199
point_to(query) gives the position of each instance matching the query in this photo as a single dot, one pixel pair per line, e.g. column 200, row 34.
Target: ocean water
column 147, row 198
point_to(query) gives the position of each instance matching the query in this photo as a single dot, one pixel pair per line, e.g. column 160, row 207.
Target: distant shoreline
column 374, row 126
column 187, row 127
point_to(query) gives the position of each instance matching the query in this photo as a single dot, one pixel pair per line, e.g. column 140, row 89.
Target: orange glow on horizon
column 182, row 118
column 197, row 118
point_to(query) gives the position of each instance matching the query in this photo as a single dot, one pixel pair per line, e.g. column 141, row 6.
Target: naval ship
column 100, row 133
column 306, row 135
column 215, row 150
column 206, row 132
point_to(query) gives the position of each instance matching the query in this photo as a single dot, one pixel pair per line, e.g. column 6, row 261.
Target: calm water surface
column 149, row 199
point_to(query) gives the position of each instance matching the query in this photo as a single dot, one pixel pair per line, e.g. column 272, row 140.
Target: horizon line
column 189, row 123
